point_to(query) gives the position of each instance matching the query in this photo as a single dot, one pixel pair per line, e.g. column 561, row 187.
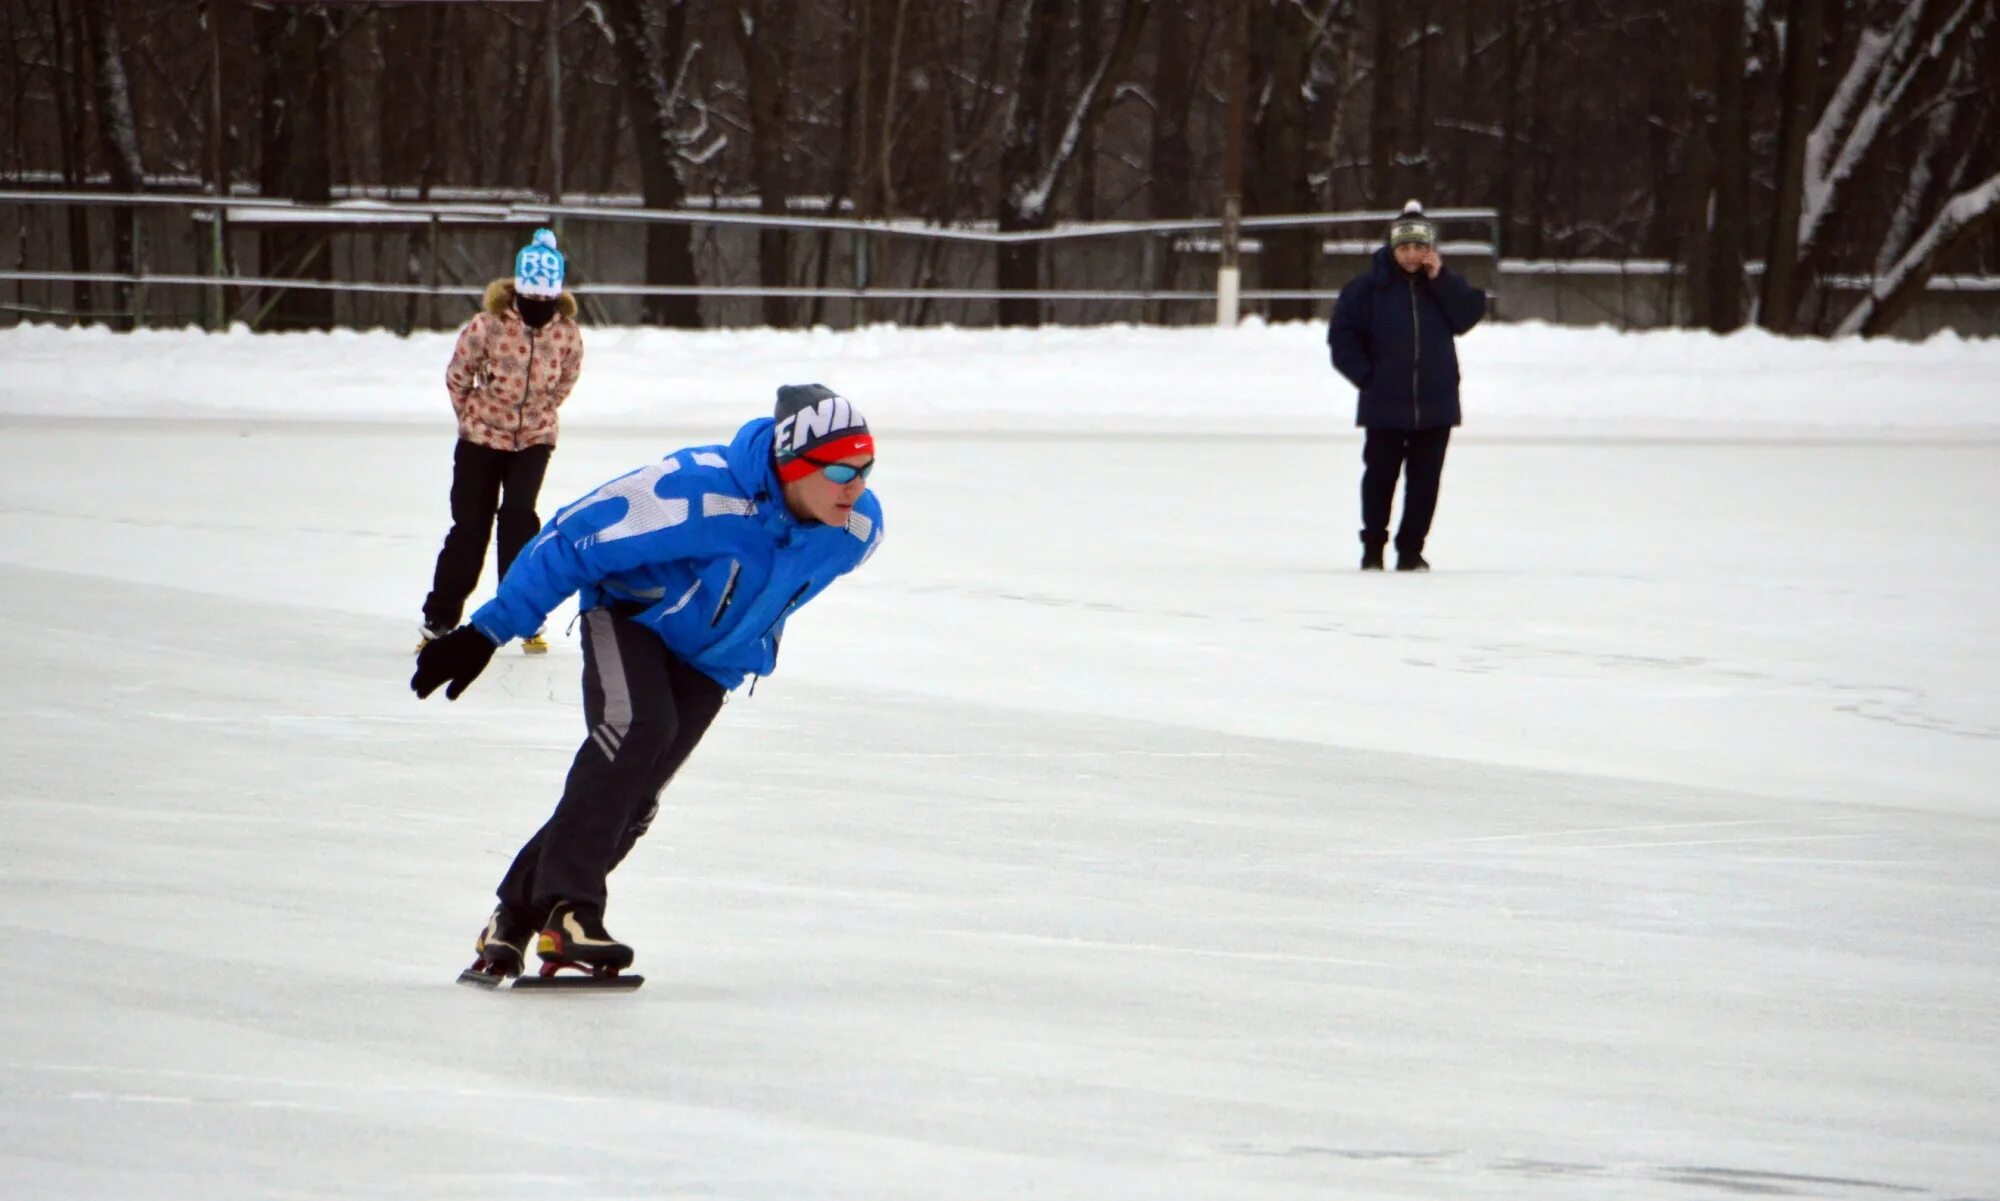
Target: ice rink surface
column 1107, row 836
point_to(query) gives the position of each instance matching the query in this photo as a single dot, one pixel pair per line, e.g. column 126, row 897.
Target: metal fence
column 402, row 264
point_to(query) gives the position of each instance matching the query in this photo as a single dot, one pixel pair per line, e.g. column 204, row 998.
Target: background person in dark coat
column 1391, row 336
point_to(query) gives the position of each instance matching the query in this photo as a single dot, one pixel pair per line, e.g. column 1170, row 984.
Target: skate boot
column 502, row 947
column 574, row 936
column 535, row 644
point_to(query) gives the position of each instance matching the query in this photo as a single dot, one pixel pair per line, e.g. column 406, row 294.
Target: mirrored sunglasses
column 842, row 473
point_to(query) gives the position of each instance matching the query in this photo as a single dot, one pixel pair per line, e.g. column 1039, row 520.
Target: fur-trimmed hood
column 500, row 298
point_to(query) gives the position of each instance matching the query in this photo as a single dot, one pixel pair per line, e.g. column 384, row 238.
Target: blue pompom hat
column 538, row 269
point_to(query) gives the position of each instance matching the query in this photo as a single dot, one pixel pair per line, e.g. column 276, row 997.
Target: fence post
column 138, row 271
column 1149, row 266
column 861, row 278
column 431, row 302
column 218, row 311
column 1493, row 294
column 1229, row 275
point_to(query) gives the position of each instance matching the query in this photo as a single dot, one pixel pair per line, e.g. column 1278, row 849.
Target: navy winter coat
column 1392, row 337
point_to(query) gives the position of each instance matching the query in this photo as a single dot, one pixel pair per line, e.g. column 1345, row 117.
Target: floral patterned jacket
column 506, row 380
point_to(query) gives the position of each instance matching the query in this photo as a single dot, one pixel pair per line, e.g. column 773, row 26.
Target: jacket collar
column 749, row 455
column 1382, row 270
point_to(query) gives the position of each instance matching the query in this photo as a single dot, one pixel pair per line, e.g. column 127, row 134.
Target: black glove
column 458, row 657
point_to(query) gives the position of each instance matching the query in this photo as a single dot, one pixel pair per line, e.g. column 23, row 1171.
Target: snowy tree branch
column 1892, row 292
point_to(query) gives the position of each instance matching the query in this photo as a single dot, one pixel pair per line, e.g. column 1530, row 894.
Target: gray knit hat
column 1412, row 227
column 814, row 425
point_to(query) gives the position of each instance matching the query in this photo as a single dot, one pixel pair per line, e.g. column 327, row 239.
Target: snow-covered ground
column 1107, row 836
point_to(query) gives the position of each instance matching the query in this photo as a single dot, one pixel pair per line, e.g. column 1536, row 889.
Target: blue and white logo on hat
column 538, row 269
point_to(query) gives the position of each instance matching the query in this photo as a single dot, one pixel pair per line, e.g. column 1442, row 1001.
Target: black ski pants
column 485, row 483
column 1387, row 454
column 646, row 710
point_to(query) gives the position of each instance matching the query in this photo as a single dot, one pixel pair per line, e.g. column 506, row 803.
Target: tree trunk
column 763, row 40
column 1281, row 38
column 1088, row 20
column 1031, row 164
column 118, row 129
column 1698, row 162
column 66, row 85
column 1383, row 176
column 1534, row 234
column 1020, row 265
column 1732, row 172
column 1170, row 178
column 294, row 46
column 1510, row 120
column 651, row 102
column 1960, row 220
column 1798, row 86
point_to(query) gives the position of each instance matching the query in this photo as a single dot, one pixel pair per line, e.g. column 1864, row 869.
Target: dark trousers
column 1386, row 454
column 485, row 483
column 646, row 710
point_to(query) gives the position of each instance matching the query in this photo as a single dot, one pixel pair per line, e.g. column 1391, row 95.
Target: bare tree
column 1901, row 57
column 1032, row 163
column 1799, row 89
column 1729, row 234
column 1283, row 35
column 1698, row 162
column 296, row 52
column 1838, row 140
column 669, row 130
column 1892, row 293
column 1385, row 179
column 763, row 38
column 118, row 128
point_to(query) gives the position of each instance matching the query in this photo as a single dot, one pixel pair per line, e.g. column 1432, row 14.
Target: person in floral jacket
column 515, row 364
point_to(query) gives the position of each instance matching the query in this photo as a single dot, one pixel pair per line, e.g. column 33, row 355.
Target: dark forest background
column 1765, row 148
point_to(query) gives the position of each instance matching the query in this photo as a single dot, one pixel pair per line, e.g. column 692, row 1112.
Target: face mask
column 535, row 311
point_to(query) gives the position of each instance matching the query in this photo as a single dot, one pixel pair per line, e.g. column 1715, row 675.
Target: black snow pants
column 645, row 709
column 485, row 483
column 1385, row 454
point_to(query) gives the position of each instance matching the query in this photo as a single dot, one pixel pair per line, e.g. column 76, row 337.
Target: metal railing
column 875, row 252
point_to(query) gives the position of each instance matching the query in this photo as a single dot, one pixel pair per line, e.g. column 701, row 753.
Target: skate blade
column 472, row 977
column 578, row 983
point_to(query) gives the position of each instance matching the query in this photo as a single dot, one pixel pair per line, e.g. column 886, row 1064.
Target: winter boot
column 1371, row 550
column 574, row 933
column 1409, row 560
column 503, row 944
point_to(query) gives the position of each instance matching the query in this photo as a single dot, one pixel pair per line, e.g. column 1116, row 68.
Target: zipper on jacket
column 1416, row 357
column 728, row 593
column 527, row 383
column 782, row 614
column 787, row 610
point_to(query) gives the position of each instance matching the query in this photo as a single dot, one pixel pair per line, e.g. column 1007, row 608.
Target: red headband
column 833, row 450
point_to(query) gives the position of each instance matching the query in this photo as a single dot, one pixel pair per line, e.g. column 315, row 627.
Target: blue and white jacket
column 700, row 547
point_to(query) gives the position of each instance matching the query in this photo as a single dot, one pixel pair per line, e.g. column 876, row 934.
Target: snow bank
column 1520, row 379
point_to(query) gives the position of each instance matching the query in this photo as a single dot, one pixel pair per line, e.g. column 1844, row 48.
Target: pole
column 1493, row 293
column 431, row 301
column 1229, row 277
column 861, row 278
column 552, row 39
column 218, row 177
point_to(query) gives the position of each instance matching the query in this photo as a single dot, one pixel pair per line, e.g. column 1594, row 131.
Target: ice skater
column 685, row 571
column 515, row 364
